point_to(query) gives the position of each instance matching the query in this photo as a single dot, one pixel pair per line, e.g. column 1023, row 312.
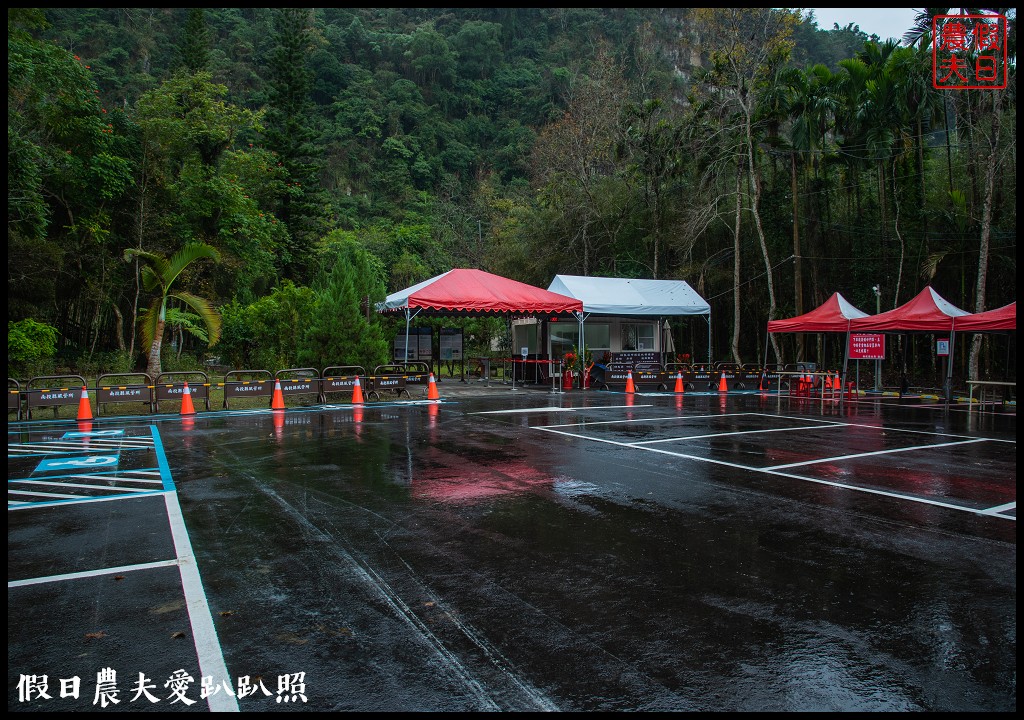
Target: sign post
column 868, row 346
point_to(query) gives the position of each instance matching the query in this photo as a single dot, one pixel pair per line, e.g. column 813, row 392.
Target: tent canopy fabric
column 1004, row 318
column 475, row 292
column 927, row 312
column 834, row 315
column 625, row 296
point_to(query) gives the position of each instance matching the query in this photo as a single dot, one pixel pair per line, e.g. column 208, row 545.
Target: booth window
column 637, row 336
column 566, row 336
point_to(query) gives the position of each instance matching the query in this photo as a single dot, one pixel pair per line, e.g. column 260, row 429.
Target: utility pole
column 878, row 363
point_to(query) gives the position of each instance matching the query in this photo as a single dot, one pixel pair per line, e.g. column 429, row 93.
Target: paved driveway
column 517, row 551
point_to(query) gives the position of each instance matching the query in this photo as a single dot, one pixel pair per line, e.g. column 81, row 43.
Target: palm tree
column 159, row 276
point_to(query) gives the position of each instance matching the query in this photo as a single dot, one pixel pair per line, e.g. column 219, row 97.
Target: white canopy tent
column 629, row 297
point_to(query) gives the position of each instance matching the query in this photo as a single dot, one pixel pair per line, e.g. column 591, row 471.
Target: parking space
column 96, row 539
column 905, row 464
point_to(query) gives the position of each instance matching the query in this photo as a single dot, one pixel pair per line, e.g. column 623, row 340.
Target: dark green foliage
column 29, row 341
column 337, row 329
column 262, row 335
column 292, row 137
column 195, row 42
column 527, row 141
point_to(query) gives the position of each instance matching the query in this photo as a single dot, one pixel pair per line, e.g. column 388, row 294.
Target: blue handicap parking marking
column 92, row 433
column 88, row 462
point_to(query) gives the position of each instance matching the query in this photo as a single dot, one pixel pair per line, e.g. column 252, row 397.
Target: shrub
column 28, row 343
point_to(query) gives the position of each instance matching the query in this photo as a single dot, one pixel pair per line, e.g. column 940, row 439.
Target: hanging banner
column 867, row 346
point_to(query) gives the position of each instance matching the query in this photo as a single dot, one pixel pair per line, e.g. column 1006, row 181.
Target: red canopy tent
column 475, row 292
column 927, row 312
column 1004, row 318
column 469, row 292
column 834, row 315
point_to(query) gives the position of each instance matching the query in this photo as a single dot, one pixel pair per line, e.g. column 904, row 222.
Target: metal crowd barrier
column 14, row 398
column 175, row 390
column 111, row 392
column 55, row 395
column 340, row 379
column 388, row 378
column 306, row 382
column 260, row 383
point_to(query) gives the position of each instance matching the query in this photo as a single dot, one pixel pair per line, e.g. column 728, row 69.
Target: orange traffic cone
column 278, row 425
column 357, row 420
column 277, row 402
column 84, row 408
column 186, row 402
column 722, row 385
column 432, row 393
column 357, row 393
column 629, row 382
column 679, row 382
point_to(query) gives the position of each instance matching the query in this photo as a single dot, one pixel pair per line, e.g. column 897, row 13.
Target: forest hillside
column 246, row 182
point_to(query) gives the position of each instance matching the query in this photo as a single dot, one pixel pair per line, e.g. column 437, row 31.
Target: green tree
column 69, row 168
column 338, row 331
column 749, row 47
column 262, row 334
column 292, row 136
column 195, row 42
column 27, row 342
column 200, row 186
column 159, row 275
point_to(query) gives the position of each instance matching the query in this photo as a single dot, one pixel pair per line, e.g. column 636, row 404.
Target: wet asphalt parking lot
column 517, row 550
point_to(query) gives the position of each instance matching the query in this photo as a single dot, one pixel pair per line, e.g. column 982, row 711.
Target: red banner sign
column 867, row 346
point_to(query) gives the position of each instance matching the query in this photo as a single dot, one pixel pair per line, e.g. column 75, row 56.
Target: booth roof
column 625, row 296
column 833, row 315
column 470, row 292
column 928, row 311
column 1004, row 318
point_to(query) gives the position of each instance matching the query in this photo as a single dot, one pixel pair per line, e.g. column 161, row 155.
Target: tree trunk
column 986, row 227
column 896, row 229
column 755, row 198
column 798, row 278
column 119, row 327
column 153, row 367
column 736, row 266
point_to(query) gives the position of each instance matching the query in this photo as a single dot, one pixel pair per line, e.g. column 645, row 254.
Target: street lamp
column 878, row 363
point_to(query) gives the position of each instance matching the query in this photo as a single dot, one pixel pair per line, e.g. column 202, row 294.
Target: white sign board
column 451, row 343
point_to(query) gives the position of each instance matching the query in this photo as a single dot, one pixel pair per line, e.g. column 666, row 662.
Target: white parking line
column 204, row 634
column 557, row 409
column 875, row 452
column 1000, row 508
column 622, row 421
column 735, row 432
column 993, row 512
column 895, row 430
column 111, row 488
column 91, row 573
